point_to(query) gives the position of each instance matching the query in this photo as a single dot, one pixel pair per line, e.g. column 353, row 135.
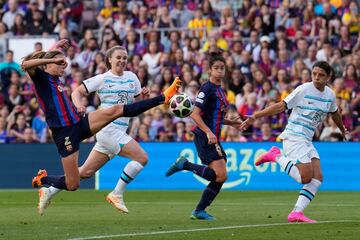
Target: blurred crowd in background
column 269, row 47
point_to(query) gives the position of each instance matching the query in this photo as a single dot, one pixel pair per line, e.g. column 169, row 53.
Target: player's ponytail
column 214, row 56
column 34, row 55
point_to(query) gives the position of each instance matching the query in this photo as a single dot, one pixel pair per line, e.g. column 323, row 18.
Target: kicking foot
column 176, row 166
column 299, row 217
column 172, row 90
column 269, row 156
column 117, row 201
column 36, row 181
column 44, row 199
column 201, row 215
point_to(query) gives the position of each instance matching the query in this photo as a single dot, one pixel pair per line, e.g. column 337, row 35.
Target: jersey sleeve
column 93, row 84
column 294, row 97
column 202, row 98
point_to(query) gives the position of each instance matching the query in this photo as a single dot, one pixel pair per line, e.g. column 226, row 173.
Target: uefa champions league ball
column 181, row 105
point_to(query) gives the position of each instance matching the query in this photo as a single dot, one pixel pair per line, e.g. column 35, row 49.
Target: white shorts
column 299, row 151
column 110, row 140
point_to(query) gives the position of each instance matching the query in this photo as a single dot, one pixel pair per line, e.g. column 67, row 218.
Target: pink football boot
column 299, row 217
column 269, row 156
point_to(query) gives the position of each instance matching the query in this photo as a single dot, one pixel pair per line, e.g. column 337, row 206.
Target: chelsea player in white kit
column 310, row 104
column 113, row 87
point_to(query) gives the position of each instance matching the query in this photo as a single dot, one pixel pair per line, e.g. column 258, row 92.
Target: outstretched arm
column 269, row 111
column 30, row 65
column 233, row 122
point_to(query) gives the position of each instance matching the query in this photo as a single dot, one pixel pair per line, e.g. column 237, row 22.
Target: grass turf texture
column 159, row 214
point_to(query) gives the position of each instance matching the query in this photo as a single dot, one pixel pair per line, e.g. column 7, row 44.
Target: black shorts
column 208, row 152
column 68, row 139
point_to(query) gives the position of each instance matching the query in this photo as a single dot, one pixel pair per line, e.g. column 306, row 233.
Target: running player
column 310, row 103
column 68, row 127
column 209, row 112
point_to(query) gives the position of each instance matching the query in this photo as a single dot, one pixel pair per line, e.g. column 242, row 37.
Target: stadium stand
column 269, row 47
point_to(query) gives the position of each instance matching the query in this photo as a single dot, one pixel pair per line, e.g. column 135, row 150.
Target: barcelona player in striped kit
column 68, row 127
column 113, row 87
column 209, row 115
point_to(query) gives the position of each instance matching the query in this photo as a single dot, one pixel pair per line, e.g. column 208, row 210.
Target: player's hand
column 145, row 91
column 247, row 123
column 236, row 123
column 59, row 61
column 212, row 139
column 81, row 110
column 63, row 43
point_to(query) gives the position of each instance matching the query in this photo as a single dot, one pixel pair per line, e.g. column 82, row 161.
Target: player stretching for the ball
column 113, row 87
column 310, row 103
column 209, row 112
column 69, row 127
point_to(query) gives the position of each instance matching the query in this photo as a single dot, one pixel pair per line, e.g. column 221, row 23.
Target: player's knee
column 306, row 179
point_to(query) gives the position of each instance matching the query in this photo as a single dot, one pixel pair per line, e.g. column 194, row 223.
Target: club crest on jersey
column 60, row 88
column 131, row 85
column 67, row 144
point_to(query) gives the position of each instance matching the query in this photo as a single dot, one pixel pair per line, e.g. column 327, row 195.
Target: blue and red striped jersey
column 58, row 109
column 213, row 104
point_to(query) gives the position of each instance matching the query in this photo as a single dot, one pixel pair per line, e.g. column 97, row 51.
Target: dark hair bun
column 215, row 53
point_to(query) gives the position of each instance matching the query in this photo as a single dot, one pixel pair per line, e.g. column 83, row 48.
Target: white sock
column 289, row 168
column 307, row 193
column 53, row 191
column 129, row 173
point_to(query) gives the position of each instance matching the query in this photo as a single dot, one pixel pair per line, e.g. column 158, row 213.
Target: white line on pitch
column 197, row 230
column 191, row 203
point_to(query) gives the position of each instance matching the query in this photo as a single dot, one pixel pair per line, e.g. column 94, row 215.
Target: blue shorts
column 208, row 152
column 68, row 139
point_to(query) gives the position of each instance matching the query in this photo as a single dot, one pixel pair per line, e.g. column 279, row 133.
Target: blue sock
column 134, row 109
column 55, row 181
column 209, row 194
column 200, row 170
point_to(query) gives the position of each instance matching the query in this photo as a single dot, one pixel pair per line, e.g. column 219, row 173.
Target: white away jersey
column 113, row 89
column 309, row 108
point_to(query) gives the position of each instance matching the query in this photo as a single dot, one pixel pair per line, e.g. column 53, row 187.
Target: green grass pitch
column 165, row 215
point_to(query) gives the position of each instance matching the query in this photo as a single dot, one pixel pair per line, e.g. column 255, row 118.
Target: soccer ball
column 181, row 105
